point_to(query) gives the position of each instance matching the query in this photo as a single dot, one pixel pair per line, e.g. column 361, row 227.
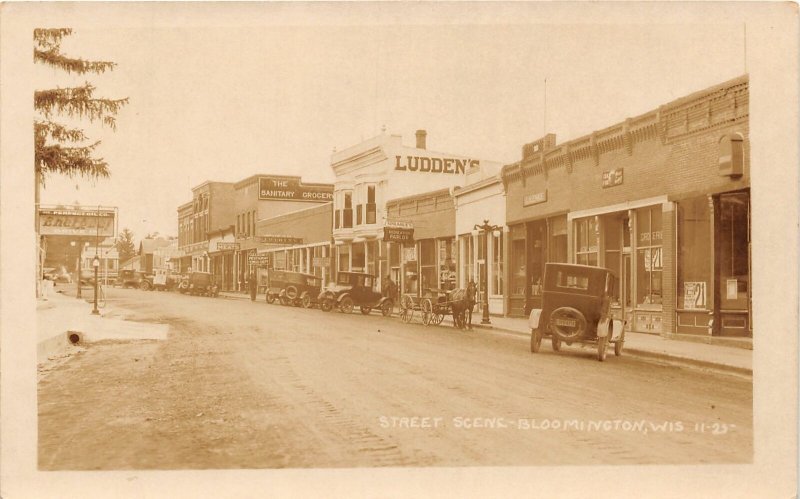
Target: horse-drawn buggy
column 434, row 304
column 293, row 288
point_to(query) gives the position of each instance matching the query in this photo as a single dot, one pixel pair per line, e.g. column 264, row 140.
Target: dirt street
column 250, row 385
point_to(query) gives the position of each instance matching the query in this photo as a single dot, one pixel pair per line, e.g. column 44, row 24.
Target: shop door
column 733, row 264
column 482, row 280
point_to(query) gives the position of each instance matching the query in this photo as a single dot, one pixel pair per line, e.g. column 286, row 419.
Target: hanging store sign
column 535, row 198
column 612, row 178
column 399, row 224
column 694, row 295
column 227, row 246
column 292, row 189
column 398, row 235
column 280, row 239
column 260, row 260
column 434, row 165
column 76, row 222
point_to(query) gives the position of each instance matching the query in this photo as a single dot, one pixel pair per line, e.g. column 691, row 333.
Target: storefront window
column 447, row 264
column 410, row 277
column 359, row 262
column 518, row 263
column 648, row 256
column 557, row 245
column 586, row 241
column 427, row 261
column 734, row 249
column 372, row 256
column 344, row 257
column 497, row 265
column 468, row 258
column 694, row 250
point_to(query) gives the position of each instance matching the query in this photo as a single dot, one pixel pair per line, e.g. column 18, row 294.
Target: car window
column 368, row 282
column 343, row 279
column 571, row 281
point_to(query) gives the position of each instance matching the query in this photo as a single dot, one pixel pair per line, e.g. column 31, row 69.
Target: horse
column 459, row 303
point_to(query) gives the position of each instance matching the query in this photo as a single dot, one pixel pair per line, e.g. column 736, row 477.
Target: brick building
column 211, row 208
column 661, row 198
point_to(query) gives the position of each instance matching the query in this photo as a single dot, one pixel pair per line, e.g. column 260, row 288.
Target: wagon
column 576, row 309
column 433, row 305
column 293, row 288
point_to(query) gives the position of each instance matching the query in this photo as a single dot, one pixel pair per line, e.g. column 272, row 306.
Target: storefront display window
column 372, row 256
column 468, row 259
column 410, row 277
column 734, row 250
column 518, row 265
column 447, row 264
column 427, row 261
column 359, row 262
column 648, row 256
column 344, row 257
column 497, row 265
column 694, row 250
column 586, row 241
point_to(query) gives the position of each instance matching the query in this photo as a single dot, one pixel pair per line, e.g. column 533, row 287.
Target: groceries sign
column 76, row 222
column 292, row 189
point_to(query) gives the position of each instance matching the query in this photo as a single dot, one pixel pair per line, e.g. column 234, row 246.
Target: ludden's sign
column 434, row 165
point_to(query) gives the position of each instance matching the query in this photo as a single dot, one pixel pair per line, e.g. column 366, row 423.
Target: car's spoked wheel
column 602, row 345
column 536, row 339
column 305, row 301
column 387, row 308
column 270, row 298
column 346, row 305
column 427, row 311
column 326, row 305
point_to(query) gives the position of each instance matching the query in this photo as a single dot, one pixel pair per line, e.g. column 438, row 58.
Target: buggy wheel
column 406, row 308
column 270, row 297
column 427, row 311
column 536, row 340
column 602, row 345
column 438, row 317
column 556, row 344
column 365, row 310
column 386, row 308
column 305, row 301
column 346, row 305
column 326, row 305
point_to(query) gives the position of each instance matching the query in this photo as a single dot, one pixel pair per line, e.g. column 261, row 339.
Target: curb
column 637, row 352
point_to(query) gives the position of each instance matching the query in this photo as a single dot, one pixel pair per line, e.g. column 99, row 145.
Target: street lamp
column 486, row 229
column 96, row 265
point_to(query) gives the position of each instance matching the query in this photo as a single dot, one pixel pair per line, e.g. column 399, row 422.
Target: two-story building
column 211, row 208
column 369, row 175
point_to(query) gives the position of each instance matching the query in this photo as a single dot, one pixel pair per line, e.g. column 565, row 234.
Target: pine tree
column 125, row 246
column 60, row 148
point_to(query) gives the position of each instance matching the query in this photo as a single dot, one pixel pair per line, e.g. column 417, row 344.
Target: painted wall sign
column 76, row 222
column 434, row 165
column 227, row 246
column 261, row 260
column 397, row 234
column 535, row 198
column 612, row 178
column 280, row 239
column 283, row 189
column 694, row 295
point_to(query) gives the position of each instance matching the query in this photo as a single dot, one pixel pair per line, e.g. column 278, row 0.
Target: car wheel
column 602, row 345
column 144, row 286
column 326, row 305
column 387, row 308
column 284, row 300
column 556, row 344
column 305, row 301
column 346, row 305
column 291, row 293
column 536, row 339
column 365, row 310
column 270, row 298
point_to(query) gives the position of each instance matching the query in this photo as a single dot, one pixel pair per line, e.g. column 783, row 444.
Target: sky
column 225, row 102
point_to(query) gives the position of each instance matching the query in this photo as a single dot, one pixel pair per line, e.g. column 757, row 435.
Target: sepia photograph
column 401, row 249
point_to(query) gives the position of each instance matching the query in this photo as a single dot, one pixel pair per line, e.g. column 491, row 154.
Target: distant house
column 107, row 252
column 147, row 252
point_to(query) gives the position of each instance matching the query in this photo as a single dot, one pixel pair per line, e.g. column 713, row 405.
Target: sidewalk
column 62, row 315
column 729, row 354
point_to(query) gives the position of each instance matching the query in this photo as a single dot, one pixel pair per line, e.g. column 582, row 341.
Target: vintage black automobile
column 131, row 279
column 293, row 288
column 351, row 289
column 199, row 283
column 576, row 309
